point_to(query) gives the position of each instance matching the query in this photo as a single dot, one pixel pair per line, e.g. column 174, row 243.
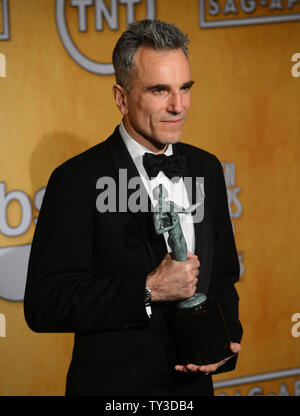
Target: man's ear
column 120, row 96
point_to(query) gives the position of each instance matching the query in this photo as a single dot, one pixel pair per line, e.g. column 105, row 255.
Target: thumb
column 235, row 347
column 191, row 255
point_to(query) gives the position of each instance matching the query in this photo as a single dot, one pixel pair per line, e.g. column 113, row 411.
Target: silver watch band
column 147, row 295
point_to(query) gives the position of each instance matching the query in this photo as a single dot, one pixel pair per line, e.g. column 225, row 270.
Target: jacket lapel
column 121, row 159
column 155, row 245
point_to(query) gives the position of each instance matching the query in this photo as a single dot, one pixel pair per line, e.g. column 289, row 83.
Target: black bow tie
column 172, row 166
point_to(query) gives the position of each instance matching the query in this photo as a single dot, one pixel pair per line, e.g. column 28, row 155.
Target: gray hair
column 155, row 34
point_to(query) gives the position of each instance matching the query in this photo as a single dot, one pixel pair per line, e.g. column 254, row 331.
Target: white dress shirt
column 176, row 190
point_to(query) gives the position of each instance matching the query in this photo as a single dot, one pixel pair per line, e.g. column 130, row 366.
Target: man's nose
column 175, row 104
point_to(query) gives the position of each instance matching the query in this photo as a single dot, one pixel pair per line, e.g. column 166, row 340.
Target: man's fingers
column 194, row 258
column 208, row 368
column 172, row 280
column 235, row 347
column 181, row 368
column 190, row 255
column 192, row 367
column 187, row 368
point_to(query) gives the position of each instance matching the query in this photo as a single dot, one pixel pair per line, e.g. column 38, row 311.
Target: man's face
column 156, row 107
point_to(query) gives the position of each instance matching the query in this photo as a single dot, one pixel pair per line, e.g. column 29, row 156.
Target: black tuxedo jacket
column 87, row 273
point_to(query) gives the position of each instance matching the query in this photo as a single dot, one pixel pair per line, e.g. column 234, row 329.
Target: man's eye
column 159, row 91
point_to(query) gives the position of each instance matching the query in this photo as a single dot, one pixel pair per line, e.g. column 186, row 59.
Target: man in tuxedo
column 98, row 269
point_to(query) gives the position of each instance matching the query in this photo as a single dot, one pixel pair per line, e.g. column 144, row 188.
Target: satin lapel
column 121, row 159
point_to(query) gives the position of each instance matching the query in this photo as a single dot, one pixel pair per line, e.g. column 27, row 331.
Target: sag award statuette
column 198, row 325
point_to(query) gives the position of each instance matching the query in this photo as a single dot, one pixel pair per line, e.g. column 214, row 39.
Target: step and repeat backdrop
column 56, row 101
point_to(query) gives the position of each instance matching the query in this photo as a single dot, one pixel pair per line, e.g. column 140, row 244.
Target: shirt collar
column 135, row 149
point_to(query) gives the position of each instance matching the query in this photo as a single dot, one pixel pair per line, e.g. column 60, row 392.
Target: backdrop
column 56, row 101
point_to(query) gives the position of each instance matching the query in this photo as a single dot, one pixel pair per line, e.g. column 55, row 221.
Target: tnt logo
column 104, row 11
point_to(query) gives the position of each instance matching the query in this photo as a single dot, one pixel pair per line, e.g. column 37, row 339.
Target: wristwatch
column 147, row 295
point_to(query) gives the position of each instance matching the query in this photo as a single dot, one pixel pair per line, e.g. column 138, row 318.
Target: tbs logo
column 14, row 258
